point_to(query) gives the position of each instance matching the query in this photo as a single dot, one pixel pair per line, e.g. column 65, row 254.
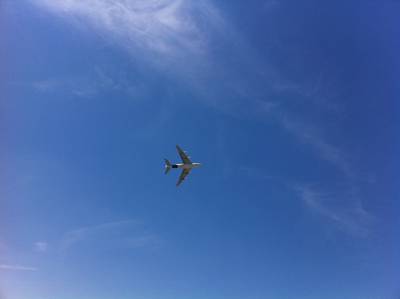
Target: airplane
column 186, row 166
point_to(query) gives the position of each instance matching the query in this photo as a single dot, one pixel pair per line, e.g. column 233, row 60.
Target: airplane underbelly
column 187, row 166
column 183, row 166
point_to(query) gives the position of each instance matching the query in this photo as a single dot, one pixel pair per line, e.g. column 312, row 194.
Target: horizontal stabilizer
column 167, row 166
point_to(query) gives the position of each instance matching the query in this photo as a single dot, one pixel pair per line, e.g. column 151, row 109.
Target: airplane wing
column 183, row 175
column 184, row 157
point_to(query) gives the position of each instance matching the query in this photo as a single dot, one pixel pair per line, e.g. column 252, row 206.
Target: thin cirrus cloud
column 326, row 151
column 16, row 268
column 40, row 246
column 158, row 26
column 351, row 218
column 126, row 234
column 173, row 37
column 345, row 209
column 81, row 87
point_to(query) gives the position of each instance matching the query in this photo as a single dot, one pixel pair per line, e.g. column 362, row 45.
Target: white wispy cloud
column 46, row 85
column 16, row 268
column 118, row 234
column 345, row 210
column 95, row 82
column 177, row 37
column 40, row 246
column 310, row 135
column 160, row 26
column 344, row 207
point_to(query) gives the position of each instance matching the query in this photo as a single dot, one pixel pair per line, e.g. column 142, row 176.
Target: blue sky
column 292, row 107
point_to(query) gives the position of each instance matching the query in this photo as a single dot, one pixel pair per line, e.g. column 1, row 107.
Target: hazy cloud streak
column 324, row 149
column 16, row 268
column 347, row 213
column 123, row 234
column 159, row 26
column 40, row 246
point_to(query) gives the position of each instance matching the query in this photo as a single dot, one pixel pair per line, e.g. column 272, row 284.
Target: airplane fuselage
column 185, row 166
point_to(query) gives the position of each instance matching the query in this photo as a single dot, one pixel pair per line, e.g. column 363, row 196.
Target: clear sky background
column 291, row 106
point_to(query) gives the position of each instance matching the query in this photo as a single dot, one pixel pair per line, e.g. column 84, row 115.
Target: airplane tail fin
column 167, row 166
